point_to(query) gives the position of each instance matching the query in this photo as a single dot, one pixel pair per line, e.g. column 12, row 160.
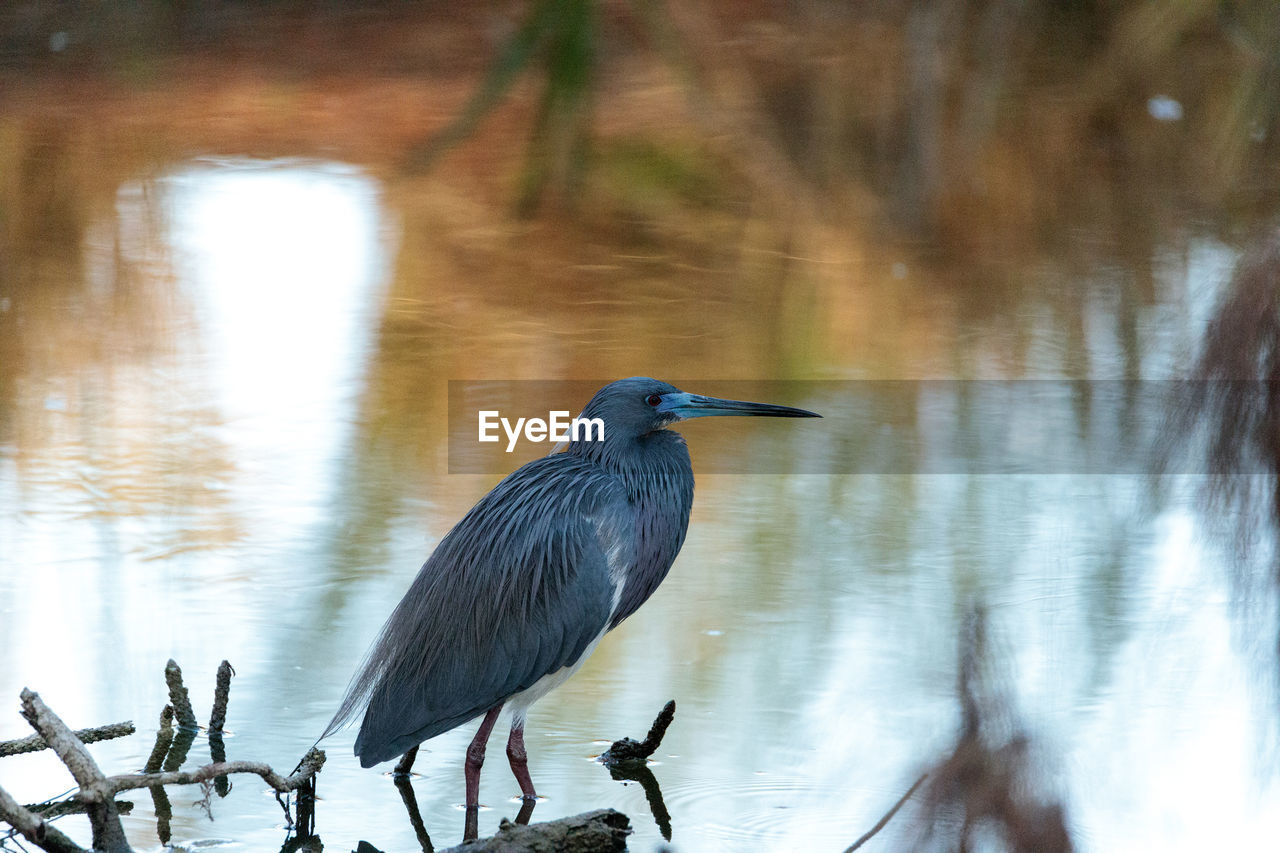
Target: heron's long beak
column 684, row 406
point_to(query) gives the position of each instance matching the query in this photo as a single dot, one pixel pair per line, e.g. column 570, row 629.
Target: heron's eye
column 653, row 400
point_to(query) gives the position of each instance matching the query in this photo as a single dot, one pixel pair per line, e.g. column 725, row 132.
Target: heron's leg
column 475, row 756
column 520, row 761
column 406, row 763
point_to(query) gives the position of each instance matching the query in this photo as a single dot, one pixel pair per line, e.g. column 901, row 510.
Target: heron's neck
column 661, row 455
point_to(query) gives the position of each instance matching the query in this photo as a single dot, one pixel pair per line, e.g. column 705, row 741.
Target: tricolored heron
column 520, row 592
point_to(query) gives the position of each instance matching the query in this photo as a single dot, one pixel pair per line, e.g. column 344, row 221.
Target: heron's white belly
column 615, row 554
column 520, row 702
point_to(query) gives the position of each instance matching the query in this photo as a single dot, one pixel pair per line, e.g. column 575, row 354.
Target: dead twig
column 35, row 743
column 62, row 808
column 888, row 816
column 629, row 750
column 627, row 760
column 221, row 693
column 310, row 765
column 108, row 834
column 164, row 738
column 97, row 792
column 35, row 828
column 178, row 697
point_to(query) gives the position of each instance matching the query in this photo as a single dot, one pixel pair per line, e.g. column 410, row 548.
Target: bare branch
column 97, row 791
column 164, row 739
column 35, row 828
column 35, row 743
column 629, row 750
column 54, row 809
column 63, row 741
column 888, row 816
column 108, row 834
column 310, row 765
column 221, row 693
column 178, row 697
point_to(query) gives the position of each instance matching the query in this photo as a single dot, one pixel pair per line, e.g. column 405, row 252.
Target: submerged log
column 600, row 831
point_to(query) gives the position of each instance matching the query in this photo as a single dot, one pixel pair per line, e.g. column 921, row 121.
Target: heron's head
column 637, row 406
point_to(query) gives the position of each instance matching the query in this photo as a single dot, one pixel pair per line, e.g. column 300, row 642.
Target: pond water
column 224, row 433
column 224, row 488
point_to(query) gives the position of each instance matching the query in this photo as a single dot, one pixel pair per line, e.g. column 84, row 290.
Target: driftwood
column 602, row 831
column 627, row 761
column 405, row 765
column 35, row 743
column 60, row 808
column 311, row 763
column 591, row 832
column 217, row 719
column 34, row 827
column 221, row 694
column 178, row 697
column 159, row 799
column 97, row 791
column 99, row 800
column 629, row 750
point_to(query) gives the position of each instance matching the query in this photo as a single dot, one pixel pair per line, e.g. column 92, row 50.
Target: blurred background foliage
column 968, row 123
column 771, row 143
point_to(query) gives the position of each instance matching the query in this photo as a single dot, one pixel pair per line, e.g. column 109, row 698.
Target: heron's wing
column 520, row 588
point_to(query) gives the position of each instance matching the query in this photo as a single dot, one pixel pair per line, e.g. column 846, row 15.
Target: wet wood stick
column 95, row 791
column 34, row 827
column 222, row 692
column 178, row 697
column 35, row 743
column 630, row 750
column 164, row 739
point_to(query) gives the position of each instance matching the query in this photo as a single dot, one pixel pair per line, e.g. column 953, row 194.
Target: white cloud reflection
column 283, row 267
column 159, row 509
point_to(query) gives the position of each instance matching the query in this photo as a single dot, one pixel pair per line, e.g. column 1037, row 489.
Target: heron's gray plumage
column 561, row 551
